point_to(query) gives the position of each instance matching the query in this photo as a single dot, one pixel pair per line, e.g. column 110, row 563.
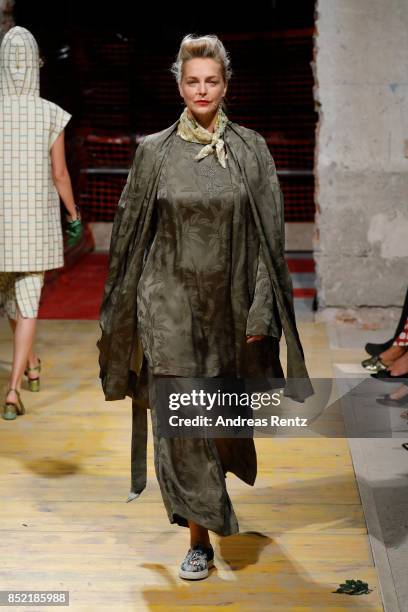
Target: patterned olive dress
column 185, row 318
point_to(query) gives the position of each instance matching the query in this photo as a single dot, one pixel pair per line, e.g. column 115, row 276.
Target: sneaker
column 197, row 562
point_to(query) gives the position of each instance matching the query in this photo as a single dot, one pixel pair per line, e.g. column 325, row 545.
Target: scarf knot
column 190, row 130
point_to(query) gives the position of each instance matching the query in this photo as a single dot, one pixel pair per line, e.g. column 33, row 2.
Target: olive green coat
column 119, row 345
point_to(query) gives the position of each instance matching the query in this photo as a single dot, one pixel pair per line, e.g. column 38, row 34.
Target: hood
column 19, row 64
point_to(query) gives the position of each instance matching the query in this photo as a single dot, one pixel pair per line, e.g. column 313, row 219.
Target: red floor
column 77, row 292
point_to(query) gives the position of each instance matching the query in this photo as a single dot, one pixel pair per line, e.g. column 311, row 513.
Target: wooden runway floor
column 64, row 480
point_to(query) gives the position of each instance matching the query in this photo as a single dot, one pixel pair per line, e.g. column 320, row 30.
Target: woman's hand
column 73, row 216
column 254, row 339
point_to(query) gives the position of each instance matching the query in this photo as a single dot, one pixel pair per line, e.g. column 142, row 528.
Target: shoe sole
column 391, row 403
column 10, row 415
column 34, row 384
column 196, row 575
column 391, row 379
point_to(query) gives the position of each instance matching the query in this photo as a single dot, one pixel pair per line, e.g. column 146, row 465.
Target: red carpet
column 77, row 292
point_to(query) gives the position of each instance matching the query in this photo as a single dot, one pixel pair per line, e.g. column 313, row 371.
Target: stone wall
column 361, row 162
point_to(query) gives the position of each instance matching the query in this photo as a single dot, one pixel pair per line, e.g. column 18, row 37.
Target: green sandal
column 10, row 409
column 33, row 383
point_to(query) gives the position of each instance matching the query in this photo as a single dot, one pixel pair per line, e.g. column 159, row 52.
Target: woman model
column 197, row 287
column 32, row 174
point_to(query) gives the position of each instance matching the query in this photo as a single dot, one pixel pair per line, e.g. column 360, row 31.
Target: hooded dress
column 30, row 220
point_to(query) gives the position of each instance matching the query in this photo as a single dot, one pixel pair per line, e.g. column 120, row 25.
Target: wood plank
column 34, row 516
column 65, row 523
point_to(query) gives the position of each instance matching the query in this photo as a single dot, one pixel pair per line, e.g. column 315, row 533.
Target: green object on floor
column 354, row 587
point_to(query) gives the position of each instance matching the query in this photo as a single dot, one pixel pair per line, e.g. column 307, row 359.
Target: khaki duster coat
column 121, row 355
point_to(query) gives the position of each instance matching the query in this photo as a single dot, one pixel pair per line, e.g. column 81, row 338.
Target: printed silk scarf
column 190, row 130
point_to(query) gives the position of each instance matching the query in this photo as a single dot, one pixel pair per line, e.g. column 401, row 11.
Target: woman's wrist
column 75, row 215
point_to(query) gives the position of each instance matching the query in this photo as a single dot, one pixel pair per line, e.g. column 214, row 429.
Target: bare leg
column 400, row 366
column 390, row 355
column 198, row 535
column 32, row 359
column 401, row 392
column 23, row 341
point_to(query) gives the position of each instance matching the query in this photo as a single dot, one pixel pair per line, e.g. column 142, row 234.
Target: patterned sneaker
column 197, row 562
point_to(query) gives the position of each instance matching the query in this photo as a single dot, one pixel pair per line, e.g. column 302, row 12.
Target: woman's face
column 202, row 82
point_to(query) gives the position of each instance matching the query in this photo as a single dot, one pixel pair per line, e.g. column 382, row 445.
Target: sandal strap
column 36, row 368
column 19, row 406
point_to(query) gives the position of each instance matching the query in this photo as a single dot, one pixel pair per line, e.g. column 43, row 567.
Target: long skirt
column 191, row 476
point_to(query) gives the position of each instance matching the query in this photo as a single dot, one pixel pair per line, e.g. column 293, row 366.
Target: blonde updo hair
column 193, row 46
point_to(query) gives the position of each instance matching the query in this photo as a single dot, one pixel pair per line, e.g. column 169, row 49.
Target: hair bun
column 210, row 46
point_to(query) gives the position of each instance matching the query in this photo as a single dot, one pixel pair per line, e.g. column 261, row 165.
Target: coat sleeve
column 126, row 196
column 276, row 220
column 262, row 316
column 266, row 203
column 119, row 247
column 273, row 183
column 121, row 220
